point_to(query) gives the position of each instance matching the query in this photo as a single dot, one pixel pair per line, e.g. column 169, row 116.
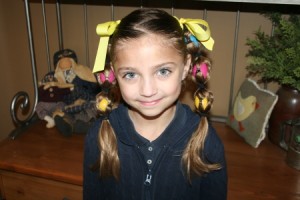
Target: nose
column 148, row 87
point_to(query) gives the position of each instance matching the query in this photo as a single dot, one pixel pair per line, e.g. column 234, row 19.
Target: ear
column 112, row 67
column 186, row 67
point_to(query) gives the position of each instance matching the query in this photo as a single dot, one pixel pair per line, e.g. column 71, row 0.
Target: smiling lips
column 150, row 103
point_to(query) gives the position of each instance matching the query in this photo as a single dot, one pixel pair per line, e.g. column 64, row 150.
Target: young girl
column 151, row 146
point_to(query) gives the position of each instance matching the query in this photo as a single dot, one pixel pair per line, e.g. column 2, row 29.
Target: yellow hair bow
column 104, row 30
column 195, row 27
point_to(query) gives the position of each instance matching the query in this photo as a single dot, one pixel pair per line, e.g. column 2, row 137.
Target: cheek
column 127, row 90
column 173, row 87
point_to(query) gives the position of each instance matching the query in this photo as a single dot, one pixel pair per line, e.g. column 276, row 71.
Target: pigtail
column 109, row 159
column 106, row 100
column 193, row 159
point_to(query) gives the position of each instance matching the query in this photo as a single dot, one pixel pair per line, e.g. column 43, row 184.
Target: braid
column 193, row 160
column 109, row 163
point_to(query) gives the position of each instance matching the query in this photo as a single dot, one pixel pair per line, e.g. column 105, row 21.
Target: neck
column 152, row 127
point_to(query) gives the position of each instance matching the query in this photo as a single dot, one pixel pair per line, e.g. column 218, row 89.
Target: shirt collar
column 124, row 127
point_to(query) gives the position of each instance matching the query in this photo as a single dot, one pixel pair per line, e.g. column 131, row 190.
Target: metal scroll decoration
column 21, row 100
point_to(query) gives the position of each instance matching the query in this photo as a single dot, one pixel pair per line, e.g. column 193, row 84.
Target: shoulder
column 190, row 114
column 213, row 147
column 91, row 138
column 115, row 116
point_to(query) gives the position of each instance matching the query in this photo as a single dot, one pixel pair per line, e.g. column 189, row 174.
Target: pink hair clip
column 107, row 75
column 202, row 68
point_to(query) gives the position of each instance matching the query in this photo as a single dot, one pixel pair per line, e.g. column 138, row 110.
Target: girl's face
column 149, row 73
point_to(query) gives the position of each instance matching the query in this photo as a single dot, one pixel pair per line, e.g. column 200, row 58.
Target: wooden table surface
column 44, row 153
column 257, row 173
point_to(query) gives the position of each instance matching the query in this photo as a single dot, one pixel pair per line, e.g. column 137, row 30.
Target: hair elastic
column 201, row 86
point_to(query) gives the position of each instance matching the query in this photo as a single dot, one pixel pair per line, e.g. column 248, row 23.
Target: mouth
column 150, row 103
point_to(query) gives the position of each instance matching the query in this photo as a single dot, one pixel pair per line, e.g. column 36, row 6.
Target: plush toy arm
column 77, row 102
column 57, row 84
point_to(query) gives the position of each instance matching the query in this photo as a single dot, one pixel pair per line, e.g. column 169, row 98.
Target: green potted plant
column 276, row 58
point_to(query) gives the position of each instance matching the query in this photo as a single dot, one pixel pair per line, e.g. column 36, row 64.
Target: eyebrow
column 154, row 67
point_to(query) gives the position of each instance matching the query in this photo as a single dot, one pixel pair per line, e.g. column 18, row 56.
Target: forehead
column 146, row 42
column 148, row 38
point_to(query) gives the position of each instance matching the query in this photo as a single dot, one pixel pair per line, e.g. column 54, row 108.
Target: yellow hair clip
column 195, row 27
column 104, row 30
column 103, row 104
column 201, row 103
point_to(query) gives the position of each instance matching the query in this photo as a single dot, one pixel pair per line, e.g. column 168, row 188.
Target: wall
column 14, row 59
column 15, row 55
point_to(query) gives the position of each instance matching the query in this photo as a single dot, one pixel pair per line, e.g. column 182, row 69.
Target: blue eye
column 129, row 75
column 164, row 72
